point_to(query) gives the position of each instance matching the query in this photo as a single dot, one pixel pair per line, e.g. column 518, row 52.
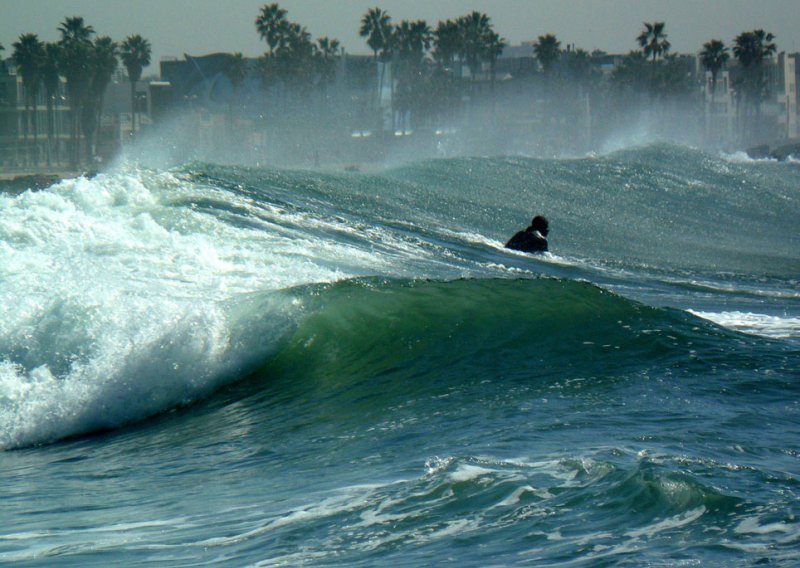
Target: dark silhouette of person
column 531, row 239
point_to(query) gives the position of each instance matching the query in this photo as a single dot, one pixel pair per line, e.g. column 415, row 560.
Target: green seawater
column 220, row 365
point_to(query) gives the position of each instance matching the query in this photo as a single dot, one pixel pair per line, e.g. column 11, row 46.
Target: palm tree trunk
column 133, row 107
column 76, row 129
column 380, row 96
column 57, row 130
column 49, row 131
column 35, row 132
column 27, row 122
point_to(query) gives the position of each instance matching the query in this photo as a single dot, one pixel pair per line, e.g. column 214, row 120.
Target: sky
column 199, row 27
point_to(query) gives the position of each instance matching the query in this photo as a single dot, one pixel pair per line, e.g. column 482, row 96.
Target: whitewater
column 210, row 364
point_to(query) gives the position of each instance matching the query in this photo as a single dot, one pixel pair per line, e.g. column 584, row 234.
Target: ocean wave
column 121, row 293
column 70, row 371
column 587, row 508
column 742, row 157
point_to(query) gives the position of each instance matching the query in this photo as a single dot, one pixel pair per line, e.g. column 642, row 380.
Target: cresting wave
column 453, row 330
column 117, row 305
column 105, row 369
column 137, row 291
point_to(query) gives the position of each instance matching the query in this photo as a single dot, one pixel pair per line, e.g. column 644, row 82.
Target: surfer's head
column 539, row 223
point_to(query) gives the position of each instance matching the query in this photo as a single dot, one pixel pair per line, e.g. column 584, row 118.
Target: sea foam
column 117, row 304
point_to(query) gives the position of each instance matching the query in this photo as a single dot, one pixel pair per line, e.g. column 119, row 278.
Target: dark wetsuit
column 529, row 240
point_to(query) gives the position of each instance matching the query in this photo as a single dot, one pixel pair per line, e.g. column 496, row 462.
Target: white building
column 786, row 94
column 720, row 109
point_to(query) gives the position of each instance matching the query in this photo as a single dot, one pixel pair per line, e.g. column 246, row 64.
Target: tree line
column 87, row 62
column 433, row 69
column 423, row 58
column 427, row 63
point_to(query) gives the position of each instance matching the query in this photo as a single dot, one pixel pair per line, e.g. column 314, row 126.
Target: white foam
column 517, row 494
column 467, row 472
column 119, row 300
column 775, row 327
column 741, row 157
column 667, row 524
column 751, row 525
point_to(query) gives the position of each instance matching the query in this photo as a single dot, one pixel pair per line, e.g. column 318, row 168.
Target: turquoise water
column 242, row 366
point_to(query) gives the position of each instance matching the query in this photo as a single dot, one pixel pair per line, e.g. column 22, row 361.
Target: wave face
column 350, row 368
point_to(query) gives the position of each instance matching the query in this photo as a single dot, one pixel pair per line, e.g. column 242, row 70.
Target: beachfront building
column 787, row 97
column 265, row 118
column 363, row 111
column 720, row 109
column 36, row 136
column 115, row 128
column 731, row 121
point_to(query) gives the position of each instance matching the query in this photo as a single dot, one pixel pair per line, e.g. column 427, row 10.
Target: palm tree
column 547, row 49
column 751, row 49
column 29, row 57
column 104, row 62
column 671, row 79
column 376, row 26
column 714, row 56
column 474, row 28
column 74, row 29
column 653, row 40
column 326, row 54
column 579, row 65
column 51, row 80
column 328, row 48
column 447, row 48
column 271, row 25
column 411, row 41
column 135, row 54
column 629, row 80
column 494, row 47
column 295, row 58
column 75, row 66
column 327, row 51
column 447, row 43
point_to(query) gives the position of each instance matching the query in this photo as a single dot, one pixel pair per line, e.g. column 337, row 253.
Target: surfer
column 531, row 239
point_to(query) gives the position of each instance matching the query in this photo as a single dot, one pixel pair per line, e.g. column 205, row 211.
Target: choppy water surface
column 224, row 365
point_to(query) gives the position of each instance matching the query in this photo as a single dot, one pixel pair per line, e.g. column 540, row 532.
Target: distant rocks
column 780, row 153
column 785, row 152
column 22, row 183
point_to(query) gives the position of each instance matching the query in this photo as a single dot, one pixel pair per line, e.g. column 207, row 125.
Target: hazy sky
column 198, row 27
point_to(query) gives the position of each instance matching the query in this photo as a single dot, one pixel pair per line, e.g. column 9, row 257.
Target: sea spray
column 372, row 378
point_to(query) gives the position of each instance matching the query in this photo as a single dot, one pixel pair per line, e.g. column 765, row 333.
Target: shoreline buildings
column 361, row 109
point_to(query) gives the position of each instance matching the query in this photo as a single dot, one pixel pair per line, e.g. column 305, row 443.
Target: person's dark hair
column 539, row 223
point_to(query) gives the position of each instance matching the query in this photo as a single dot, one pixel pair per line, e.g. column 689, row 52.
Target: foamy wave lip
column 757, row 324
column 151, row 358
column 116, row 306
column 741, row 157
